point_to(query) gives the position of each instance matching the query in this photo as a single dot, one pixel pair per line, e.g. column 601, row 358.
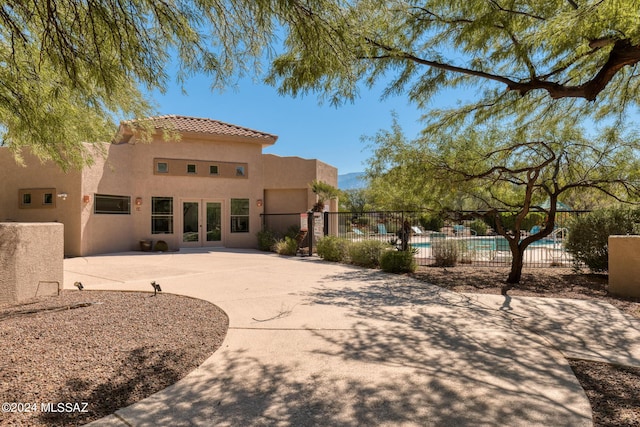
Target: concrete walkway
column 313, row 343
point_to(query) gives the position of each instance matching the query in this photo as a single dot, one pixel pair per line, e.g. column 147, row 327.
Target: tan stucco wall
column 35, row 174
column 31, row 260
column 295, row 173
column 108, row 175
column 128, row 171
column 624, row 265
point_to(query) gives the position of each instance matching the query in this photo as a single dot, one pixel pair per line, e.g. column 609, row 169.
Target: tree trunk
column 516, row 270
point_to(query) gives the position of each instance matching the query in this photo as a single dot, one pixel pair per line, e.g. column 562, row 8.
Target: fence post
column 311, row 231
column 326, row 224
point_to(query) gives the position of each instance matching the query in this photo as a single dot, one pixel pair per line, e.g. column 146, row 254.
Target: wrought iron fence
column 473, row 240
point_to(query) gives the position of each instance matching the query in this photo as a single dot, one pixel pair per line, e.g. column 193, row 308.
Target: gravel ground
column 614, row 391
column 108, row 349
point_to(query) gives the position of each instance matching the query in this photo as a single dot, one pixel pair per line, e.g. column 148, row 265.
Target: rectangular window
column 112, row 205
column 239, row 170
column 191, row 168
column 162, row 215
column 213, row 170
column 239, row 215
column 37, row 198
column 162, row 167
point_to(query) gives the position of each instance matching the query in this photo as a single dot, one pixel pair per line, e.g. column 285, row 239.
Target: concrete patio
column 315, row 343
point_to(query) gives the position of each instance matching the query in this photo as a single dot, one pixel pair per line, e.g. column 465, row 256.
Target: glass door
column 202, row 223
column 213, row 216
column 191, row 223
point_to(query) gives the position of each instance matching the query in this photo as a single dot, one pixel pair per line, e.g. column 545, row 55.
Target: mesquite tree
column 521, row 170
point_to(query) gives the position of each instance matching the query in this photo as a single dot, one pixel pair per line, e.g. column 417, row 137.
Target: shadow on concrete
column 472, row 364
column 413, row 355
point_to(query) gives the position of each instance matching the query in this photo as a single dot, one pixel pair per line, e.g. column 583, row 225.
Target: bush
column 589, row 235
column 366, row 253
column 447, row 252
column 480, row 227
column 266, row 240
column 333, row 248
column 292, row 231
column 431, row 222
column 286, row 246
column 398, row 261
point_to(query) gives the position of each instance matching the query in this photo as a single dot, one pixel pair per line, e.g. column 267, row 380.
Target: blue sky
column 304, row 127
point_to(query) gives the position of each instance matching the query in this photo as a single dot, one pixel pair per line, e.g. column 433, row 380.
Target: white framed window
column 162, row 215
column 239, row 215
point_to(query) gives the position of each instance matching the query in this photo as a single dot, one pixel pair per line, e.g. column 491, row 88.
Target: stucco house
column 207, row 187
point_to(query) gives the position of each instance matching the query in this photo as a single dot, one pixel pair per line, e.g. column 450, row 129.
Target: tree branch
column 622, row 54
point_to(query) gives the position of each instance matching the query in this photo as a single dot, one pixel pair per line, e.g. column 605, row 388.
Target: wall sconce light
column 63, row 196
column 138, row 201
column 259, row 203
column 86, row 198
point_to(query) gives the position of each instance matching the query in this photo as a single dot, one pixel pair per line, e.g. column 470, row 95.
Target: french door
column 202, row 223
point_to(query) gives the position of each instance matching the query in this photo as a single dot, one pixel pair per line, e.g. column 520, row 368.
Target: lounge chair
column 382, row 230
column 416, row 231
column 461, row 230
column 357, row 232
column 503, row 250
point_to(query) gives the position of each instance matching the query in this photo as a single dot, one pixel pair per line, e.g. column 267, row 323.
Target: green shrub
column 363, row 221
column 286, row 246
column 447, row 252
column 266, row 240
column 366, row 253
column 292, row 231
column 333, row 248
column 432, row 222
column 480, row 227
column 589, row 235
column 398, row 261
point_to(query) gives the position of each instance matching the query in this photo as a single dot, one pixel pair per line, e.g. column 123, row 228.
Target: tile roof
column 205, row 126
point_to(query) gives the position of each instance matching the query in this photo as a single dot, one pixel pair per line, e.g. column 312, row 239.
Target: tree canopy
column 70, row 68
column 524, row 54
column 497, row 168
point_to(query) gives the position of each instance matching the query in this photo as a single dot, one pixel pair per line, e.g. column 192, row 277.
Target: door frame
column 202, row 229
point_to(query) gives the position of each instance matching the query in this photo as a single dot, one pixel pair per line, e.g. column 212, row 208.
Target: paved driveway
column 315, row 343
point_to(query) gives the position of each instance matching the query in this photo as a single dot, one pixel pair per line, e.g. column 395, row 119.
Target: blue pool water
column 487, row 243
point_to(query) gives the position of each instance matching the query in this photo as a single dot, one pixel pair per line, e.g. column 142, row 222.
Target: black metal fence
column 473, row 240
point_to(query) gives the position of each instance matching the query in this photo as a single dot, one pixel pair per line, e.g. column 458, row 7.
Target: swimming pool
column 488, row 243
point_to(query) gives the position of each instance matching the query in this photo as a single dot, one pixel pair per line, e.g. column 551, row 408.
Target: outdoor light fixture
column 78, row 285
column 86, row 198
column 63, row 196
column 259, row 203
column 138, row 201
column 156, row 288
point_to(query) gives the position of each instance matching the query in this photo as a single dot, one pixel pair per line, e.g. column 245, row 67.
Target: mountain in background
column 351, row 181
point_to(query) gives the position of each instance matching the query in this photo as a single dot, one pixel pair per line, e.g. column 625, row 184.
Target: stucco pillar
column 624, row 265
column 31, row 260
